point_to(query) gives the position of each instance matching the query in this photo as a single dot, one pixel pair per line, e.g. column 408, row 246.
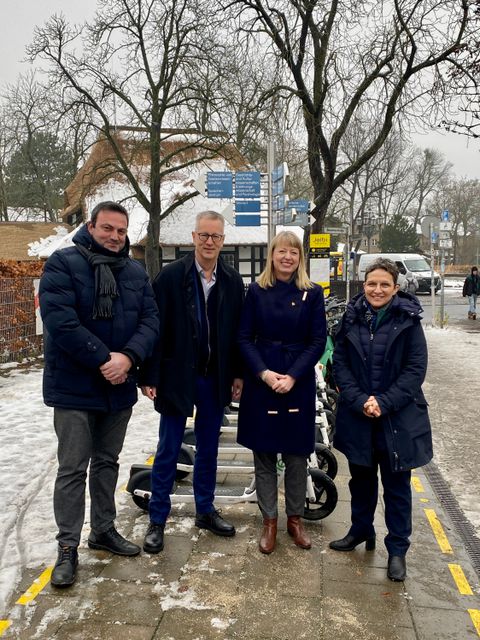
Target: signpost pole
column 270, row 168
column 432, row 273
column 442, row 294
column 345, row 265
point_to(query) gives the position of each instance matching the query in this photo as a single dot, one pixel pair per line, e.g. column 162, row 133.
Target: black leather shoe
column 215, row 523
column 112, row 541
column 397, row 568
column 349, row 542
column 63, row 574
column 153, row 542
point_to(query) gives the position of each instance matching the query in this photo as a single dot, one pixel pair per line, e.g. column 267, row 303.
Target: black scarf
column 105, row 284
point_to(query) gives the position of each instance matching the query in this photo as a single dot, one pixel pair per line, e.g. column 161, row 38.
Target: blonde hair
column 267, row 277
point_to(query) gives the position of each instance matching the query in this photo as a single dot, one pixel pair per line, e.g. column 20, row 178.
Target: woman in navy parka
column 380, row 362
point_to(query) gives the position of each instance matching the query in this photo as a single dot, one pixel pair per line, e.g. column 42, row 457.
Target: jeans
column 472, row 301
column 86, row 437
column 208, row 420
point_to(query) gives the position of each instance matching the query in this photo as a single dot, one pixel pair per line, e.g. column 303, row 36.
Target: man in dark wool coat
column 196, row 363
column 101, row 322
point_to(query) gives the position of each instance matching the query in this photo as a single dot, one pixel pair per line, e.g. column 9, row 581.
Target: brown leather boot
column 269, row 535
column 298, row 533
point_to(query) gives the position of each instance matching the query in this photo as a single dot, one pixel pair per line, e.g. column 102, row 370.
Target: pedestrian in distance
column 380, row 362
column 471, row 289
column 195, row 364
column 410, row 283
column 282, row 336
column 100, row 322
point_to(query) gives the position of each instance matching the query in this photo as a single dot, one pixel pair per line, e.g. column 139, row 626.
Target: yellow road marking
column 424, row 500
column 438, row 531
column 4, row 624
column 475, row 616
column 460, row 580
column 34, row 589
column 417, row 484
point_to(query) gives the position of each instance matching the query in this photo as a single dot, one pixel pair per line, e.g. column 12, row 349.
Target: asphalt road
column 456, row 307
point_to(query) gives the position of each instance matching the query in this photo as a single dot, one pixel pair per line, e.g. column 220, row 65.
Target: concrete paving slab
column 204, row 587
column 442, row 624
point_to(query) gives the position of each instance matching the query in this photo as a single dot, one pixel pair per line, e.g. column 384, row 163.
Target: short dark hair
column 385, row 264
column 107, row 205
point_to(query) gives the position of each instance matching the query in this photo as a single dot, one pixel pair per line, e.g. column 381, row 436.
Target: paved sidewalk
column 202, row 587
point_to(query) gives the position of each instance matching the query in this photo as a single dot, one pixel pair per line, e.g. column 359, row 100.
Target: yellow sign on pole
column 319, row 240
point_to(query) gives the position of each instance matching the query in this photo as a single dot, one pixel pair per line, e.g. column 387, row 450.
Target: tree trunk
column 152, row 248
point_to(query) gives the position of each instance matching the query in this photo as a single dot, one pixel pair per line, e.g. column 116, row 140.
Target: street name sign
column 335, row 230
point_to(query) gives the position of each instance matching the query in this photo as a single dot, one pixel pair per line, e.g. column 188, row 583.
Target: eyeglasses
column 216, row 237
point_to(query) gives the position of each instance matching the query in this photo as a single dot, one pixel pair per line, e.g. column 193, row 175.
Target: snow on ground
column 28, row 446
column 451, row 389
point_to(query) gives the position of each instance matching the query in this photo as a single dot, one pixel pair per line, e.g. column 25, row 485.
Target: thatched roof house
column 100, row 179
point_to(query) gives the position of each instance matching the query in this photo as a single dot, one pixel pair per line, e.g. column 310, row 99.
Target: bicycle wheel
column 327, row 462
column 326, row 496
column 185, row 456
column 143, row 481
column 332, row 399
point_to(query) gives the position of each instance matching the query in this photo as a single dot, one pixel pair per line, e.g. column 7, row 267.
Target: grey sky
column 19, row 18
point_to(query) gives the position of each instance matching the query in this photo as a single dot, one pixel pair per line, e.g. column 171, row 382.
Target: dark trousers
column 208, row 420
column 86, row 437
column 397, row 495
column 266, row 483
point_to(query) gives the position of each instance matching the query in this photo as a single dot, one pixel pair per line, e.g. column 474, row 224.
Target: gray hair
column 209, row 215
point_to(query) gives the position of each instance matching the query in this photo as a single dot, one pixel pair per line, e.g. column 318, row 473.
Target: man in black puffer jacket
column 101, row 322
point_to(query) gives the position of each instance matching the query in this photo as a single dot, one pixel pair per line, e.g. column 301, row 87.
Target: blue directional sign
column 434, row 237
column 277, row 173
column 247, row 184
column 219, row 184
column 247, row 220
column 445, row 216
column 278, row 179
column 300, row 220
column 247, row 206
column 300, row 205
column 279, row 202
column 277, row 188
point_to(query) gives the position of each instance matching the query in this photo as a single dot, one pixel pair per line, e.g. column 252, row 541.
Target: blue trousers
column 472, row 303
column 397, row 496
column 208, row 420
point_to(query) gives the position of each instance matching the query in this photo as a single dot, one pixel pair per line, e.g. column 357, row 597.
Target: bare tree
column 428, row 168
column 462, row 199
column 375, row 59
column 461, row 85
column 130, row 65
column 39, row 164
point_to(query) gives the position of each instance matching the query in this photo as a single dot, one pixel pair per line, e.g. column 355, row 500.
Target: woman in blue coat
column 282, row 336
column 379, row 363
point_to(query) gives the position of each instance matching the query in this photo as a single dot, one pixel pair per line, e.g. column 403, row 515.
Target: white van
column 413, row 262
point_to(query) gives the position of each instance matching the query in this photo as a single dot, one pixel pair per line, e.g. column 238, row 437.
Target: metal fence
column 18, row 339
